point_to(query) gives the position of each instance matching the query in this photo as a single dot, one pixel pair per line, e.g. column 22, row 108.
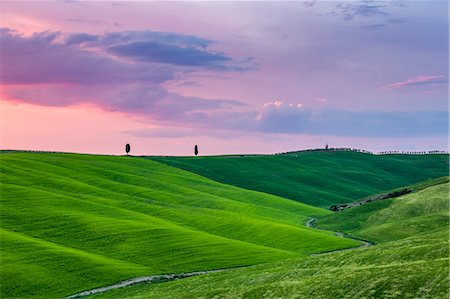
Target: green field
column 411, row 261
column 319, row 178
column 396, row 218
column 73, row 222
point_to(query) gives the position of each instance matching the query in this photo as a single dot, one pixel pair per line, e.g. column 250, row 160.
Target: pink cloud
column 416, row 81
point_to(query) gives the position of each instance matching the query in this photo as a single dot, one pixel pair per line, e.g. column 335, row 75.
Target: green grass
column 74, row 222
column 395, row 218
column 316, row 178
column 413, row 264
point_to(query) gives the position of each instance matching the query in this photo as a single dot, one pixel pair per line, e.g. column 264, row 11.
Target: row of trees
column 338, row 149
column 348, row 149
column 412, row 152
column 327, row 148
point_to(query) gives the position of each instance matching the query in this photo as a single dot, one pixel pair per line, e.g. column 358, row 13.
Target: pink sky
column 238, row 77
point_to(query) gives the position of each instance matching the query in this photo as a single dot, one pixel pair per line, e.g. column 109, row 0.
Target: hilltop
column 318, row 178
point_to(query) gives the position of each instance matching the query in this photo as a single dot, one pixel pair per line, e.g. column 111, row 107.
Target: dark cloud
column 79, row 38
column 397, row 20
column 163, row 53
column 42, row 58
column 166, row 38
column 349, row 11
column 373, row 26
column 81, row 58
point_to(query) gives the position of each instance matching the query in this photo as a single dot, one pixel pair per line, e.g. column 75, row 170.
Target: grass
column 410, row 263
column 316, row 178
column 395, row 218
column 73, row 222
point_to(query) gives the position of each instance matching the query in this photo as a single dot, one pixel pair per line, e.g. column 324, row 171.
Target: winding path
column 310, row 223
column 169, row 277
column 148, row 279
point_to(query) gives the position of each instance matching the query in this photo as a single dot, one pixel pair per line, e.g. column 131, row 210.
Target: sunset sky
column 232, row 77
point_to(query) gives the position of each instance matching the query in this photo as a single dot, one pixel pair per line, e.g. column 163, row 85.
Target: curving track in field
column 310, row 223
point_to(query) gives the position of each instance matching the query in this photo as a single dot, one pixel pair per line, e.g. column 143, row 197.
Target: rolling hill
column 396, row 218
column 410, row 261
column 73, row 222
column 318, row 178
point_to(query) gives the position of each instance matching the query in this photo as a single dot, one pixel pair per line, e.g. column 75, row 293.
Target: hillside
column 410, row 264
column 320, row 178
column 395, row 218
column 73, row 222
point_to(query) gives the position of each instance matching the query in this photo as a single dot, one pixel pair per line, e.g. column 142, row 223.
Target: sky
column 232, row 77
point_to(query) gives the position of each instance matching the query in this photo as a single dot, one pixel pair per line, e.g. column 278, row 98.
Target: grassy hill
column 408, row 263
column 320, row 178
column 396, row 218
column 74, row 222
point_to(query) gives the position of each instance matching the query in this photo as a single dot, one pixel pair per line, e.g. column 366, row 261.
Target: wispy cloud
column 349, row 11
column 416, row 81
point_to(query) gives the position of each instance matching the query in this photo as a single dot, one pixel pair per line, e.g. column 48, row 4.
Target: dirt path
column 310, row 223
column 169, row 277
column 147, row 279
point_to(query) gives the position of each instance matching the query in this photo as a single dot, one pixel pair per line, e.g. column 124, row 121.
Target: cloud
column 166, row 38
column 373, row 26
column 277, row 117
column 417, row 81
column 58, row 69
column 120, row 71
column 158, row 47
column 129, row 56
column 162, row 53
column 42, row 58
column 349, row 11
column 144, row 100
column 295, row 119
column 281, row 118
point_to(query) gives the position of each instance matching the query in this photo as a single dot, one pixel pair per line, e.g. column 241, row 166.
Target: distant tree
column 326, row 146
column 127, row 148
column 196, row 150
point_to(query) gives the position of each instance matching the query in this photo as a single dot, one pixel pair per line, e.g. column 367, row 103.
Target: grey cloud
column 374, row 26
column 79, row 38
column 152, row 46
column 280, row 118
column 398, row 20
column 161, row 53
column 41, row 58
column 168, row 38
column 349, row 11
column 293, row 119
column 145, row 100
column 54, row 57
